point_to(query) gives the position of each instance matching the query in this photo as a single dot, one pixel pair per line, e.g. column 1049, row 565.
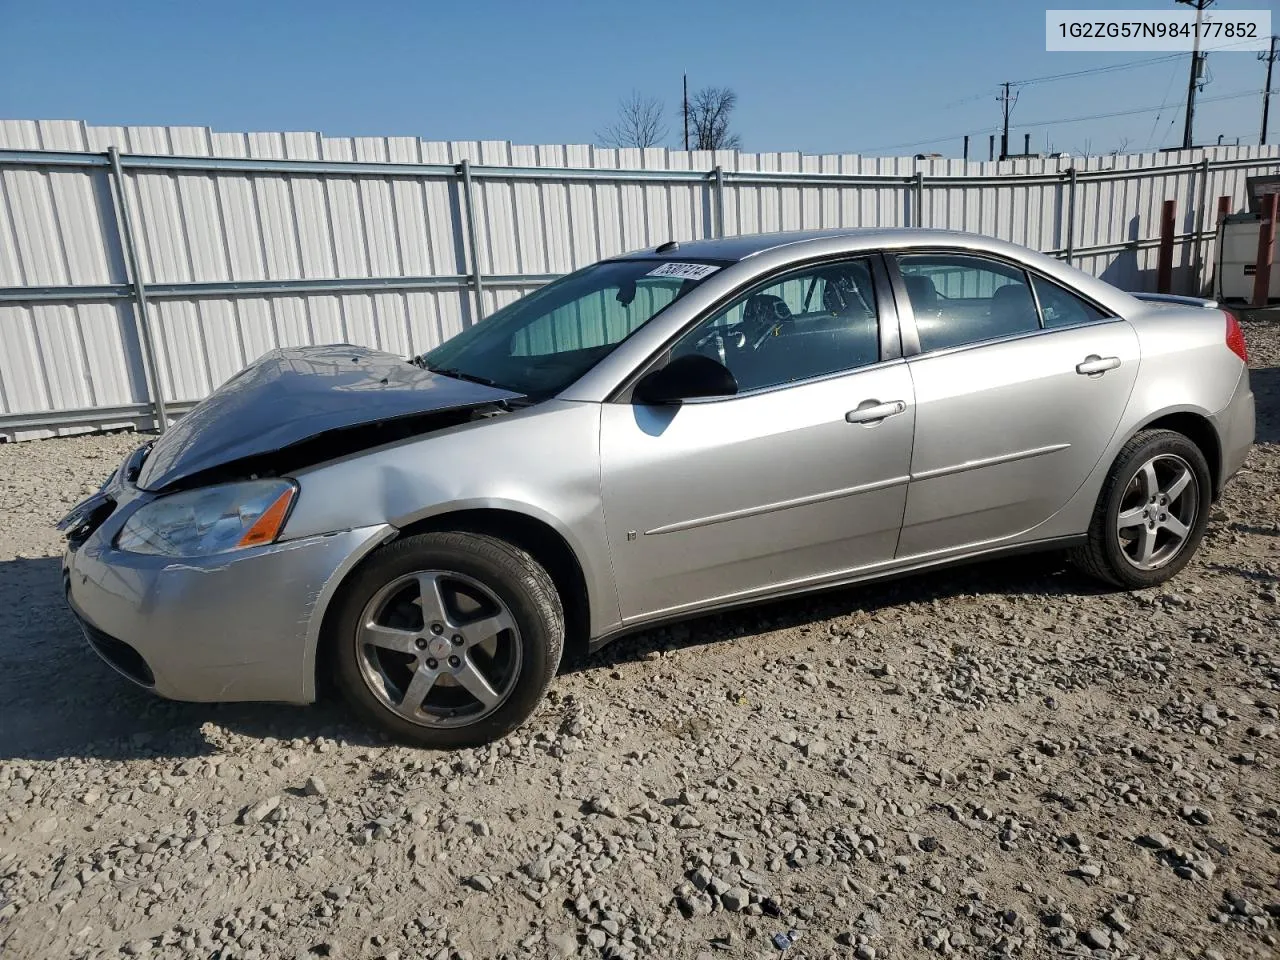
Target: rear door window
column 959, row 299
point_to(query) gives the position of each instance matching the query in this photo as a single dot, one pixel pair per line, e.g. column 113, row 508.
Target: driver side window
column 807, row 323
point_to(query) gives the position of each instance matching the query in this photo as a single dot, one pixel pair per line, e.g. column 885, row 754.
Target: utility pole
column 1007, row 102
column 686, row 111
column 1197, row 71
column 1266, row 91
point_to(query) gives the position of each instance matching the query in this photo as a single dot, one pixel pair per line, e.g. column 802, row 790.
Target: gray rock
column 1097, row 938
column 1205, row 867
column 259, row 811
column 562, row 944
column 539, row 870
column 1117, row 920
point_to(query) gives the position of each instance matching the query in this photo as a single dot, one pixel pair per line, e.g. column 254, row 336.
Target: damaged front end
column 167, row 565
column 298, row 406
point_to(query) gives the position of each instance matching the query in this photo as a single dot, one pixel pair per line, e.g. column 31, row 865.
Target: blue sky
column 837, row 76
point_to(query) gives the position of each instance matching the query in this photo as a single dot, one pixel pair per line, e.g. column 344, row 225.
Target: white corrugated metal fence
column 244, row 242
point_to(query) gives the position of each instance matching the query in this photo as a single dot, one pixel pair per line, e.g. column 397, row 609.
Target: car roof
column 740, row 247
column 799, row 245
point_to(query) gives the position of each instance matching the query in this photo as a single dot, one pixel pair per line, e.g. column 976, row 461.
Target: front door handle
column 873, row 411
column 1095, row 366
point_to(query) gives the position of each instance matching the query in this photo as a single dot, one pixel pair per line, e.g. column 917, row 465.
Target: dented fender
column 541, row 462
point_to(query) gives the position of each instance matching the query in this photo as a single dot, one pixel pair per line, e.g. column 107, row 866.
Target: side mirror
column 685, row 378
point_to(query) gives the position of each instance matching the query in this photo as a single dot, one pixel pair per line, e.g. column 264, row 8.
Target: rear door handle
column 873, row 411
column 1095, row 366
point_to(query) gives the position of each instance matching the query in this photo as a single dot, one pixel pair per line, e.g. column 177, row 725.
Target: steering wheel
column 764, row 316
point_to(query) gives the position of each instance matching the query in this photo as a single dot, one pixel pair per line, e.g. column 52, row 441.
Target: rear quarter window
column 1062, row 308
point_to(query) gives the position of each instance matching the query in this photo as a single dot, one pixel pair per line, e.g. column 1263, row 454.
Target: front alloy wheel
column 439, row 648
column 447, row 639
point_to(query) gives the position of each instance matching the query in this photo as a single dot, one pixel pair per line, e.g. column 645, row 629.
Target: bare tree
column 709, row 111
column 639, row 123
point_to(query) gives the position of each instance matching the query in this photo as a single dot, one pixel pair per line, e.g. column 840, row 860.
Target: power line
column 1060, row 76
column 1164, row 102
column 1129, row 113
column 963, row 100
column 1128, row 65
column 1065, row 120
column 1111, row 68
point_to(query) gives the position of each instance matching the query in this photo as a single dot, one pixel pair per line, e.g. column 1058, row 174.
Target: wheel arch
column 1199, row 429
column 535, row 536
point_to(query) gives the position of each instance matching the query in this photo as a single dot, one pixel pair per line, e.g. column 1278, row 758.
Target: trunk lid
column 295, row 394
column 1173, row 300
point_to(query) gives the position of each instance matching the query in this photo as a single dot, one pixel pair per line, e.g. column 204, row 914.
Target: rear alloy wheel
column 1157, row 511
column 1151, row 514
column 448, row 639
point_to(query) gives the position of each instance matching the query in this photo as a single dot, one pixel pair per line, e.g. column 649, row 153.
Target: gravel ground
column 999, row 760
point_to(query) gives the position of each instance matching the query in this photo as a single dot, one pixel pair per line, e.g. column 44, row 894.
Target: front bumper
column 236, row 626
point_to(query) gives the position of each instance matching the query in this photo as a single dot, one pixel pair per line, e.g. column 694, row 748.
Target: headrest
column 923, row 294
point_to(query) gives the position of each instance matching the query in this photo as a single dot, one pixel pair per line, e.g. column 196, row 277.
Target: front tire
column 447, row 639
column 1151, row 514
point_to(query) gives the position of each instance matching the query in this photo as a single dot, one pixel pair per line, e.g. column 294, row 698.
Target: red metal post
column 1266, row 249
column 1164, row 266
column 1224, row 210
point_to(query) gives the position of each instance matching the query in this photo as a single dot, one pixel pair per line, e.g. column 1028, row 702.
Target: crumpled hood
column 294, row 394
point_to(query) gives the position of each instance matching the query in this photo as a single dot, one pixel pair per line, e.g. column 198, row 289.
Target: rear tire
column 1151, row 514
column 447, row 640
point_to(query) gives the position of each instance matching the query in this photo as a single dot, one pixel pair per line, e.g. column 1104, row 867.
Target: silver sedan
column 683, row 429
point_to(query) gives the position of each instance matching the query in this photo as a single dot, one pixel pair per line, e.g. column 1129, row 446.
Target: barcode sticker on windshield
column 684, row 271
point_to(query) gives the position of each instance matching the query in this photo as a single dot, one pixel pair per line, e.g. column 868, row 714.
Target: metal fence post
column 1266, row 250
column 1201, row 213
column 718, row 174
column 124, row 227
column 1071, row 216
column 473, row 242
column 919, row 198
column 1164, row 262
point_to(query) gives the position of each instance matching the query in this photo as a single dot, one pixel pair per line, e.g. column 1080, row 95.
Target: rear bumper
column 1236, row 425
column 237, row 626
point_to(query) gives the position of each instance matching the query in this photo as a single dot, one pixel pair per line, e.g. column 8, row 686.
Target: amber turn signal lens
column 267, row 527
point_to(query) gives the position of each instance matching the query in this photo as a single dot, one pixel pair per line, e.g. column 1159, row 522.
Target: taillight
column 1235, row 337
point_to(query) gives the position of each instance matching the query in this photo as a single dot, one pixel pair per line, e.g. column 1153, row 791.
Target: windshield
column 543, row 342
